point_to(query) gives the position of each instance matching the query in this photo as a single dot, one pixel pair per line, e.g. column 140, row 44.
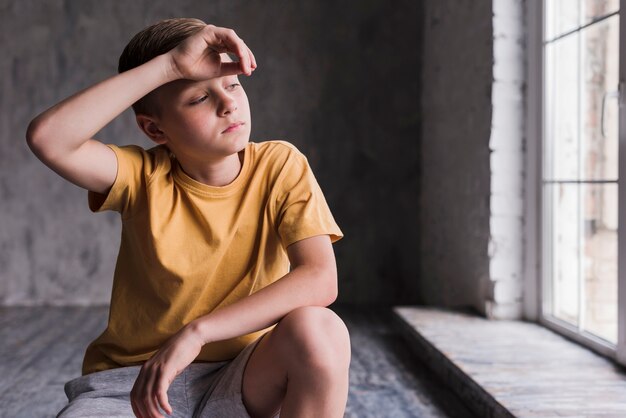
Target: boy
column 226, row 267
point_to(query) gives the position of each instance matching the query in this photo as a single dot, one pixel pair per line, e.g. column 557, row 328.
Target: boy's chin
column 239, row 144
column 242, row 142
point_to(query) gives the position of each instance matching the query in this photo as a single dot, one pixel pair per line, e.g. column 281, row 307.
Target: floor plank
column 386, row 379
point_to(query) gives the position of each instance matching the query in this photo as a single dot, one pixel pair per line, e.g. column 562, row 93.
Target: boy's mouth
column 233, row 127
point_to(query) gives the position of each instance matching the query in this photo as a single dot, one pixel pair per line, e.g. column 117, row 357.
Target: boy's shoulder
column 278, row 145
column 280, row 151
column 137, row 151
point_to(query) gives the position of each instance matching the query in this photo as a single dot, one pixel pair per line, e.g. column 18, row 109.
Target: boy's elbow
column 34, row 136
column 39, row 141
column 325, row 290
column 332, row 291
column 331, row 299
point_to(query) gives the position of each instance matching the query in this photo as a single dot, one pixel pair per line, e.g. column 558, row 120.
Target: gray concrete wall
column 454, row 164
column 338, row 79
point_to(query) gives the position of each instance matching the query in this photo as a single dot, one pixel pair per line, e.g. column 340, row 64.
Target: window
column 579, row 186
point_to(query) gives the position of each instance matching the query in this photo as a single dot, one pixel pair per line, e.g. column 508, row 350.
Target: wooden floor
column 42, row 347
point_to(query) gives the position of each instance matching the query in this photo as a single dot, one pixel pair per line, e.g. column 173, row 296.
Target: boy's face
column 195, row 114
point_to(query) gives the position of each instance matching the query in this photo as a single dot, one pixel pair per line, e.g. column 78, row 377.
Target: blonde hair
column 151, row 42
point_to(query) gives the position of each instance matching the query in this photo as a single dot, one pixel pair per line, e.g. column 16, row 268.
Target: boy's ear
column 150, row 127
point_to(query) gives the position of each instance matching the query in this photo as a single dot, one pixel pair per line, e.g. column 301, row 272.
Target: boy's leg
column 98, row 394
column 301, row 366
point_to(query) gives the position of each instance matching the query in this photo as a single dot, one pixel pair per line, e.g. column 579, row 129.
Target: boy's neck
column 216, row 174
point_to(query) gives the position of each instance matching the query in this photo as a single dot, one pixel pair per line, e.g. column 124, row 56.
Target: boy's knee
column 318, row 336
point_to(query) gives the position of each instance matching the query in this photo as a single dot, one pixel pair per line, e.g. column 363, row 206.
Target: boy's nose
column 228, row 106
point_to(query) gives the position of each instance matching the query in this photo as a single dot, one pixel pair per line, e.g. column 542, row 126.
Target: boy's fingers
column 156, row 399
column 148, row 399
column 136, row 397
column 157, row 402
column 136, row 410
column 247, row 59
column 137, row 414
column 162, row 397
column 244, row 57
column 140, row 409
column 252, row 59
column 230, row 68
column 236, row 45
column 153, row 410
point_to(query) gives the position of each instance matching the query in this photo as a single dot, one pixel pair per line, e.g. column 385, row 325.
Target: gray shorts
column 201, row 390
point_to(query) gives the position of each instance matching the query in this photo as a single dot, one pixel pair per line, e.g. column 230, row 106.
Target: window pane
column 581, row 150
column 598, row 84
column 565, row 250
column 600, row 260
column 561, row 16
column 593, row 9
column 562, row 121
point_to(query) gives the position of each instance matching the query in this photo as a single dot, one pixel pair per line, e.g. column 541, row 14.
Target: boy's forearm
column 303, row 286
column 68, row 124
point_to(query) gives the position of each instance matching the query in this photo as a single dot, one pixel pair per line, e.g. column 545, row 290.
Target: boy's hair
column 151, row 42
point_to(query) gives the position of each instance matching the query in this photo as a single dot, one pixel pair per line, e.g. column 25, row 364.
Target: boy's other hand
column 198, row 56
column 158, row 373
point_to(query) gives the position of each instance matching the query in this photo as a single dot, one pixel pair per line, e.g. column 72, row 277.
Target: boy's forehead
column 180, row 86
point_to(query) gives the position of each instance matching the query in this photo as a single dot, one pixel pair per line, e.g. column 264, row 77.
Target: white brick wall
column 503, row 298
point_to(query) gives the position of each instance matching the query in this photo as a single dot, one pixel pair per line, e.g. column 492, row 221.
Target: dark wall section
column 340, row 80
column 455, row 179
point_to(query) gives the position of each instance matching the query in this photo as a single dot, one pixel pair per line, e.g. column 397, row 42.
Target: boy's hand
column 198, row 56
column 158, row 373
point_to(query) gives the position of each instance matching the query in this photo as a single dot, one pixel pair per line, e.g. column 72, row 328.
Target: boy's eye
column 233, row 85
column 200, row 100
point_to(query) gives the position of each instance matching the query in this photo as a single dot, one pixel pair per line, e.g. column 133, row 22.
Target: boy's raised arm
column 61, row 137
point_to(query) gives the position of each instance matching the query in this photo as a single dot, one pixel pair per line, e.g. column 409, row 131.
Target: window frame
column 537, row 289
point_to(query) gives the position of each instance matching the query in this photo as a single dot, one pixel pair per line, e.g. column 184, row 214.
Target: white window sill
column 504, row 368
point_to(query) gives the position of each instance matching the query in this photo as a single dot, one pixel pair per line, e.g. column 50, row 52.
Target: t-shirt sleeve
column 301, row 208
column 134, row 165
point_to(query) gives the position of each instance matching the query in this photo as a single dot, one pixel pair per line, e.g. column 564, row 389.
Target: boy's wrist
column 197, row 327
column 170, row 70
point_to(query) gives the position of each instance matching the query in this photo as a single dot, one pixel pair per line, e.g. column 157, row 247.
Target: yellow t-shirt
column 188, row 248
